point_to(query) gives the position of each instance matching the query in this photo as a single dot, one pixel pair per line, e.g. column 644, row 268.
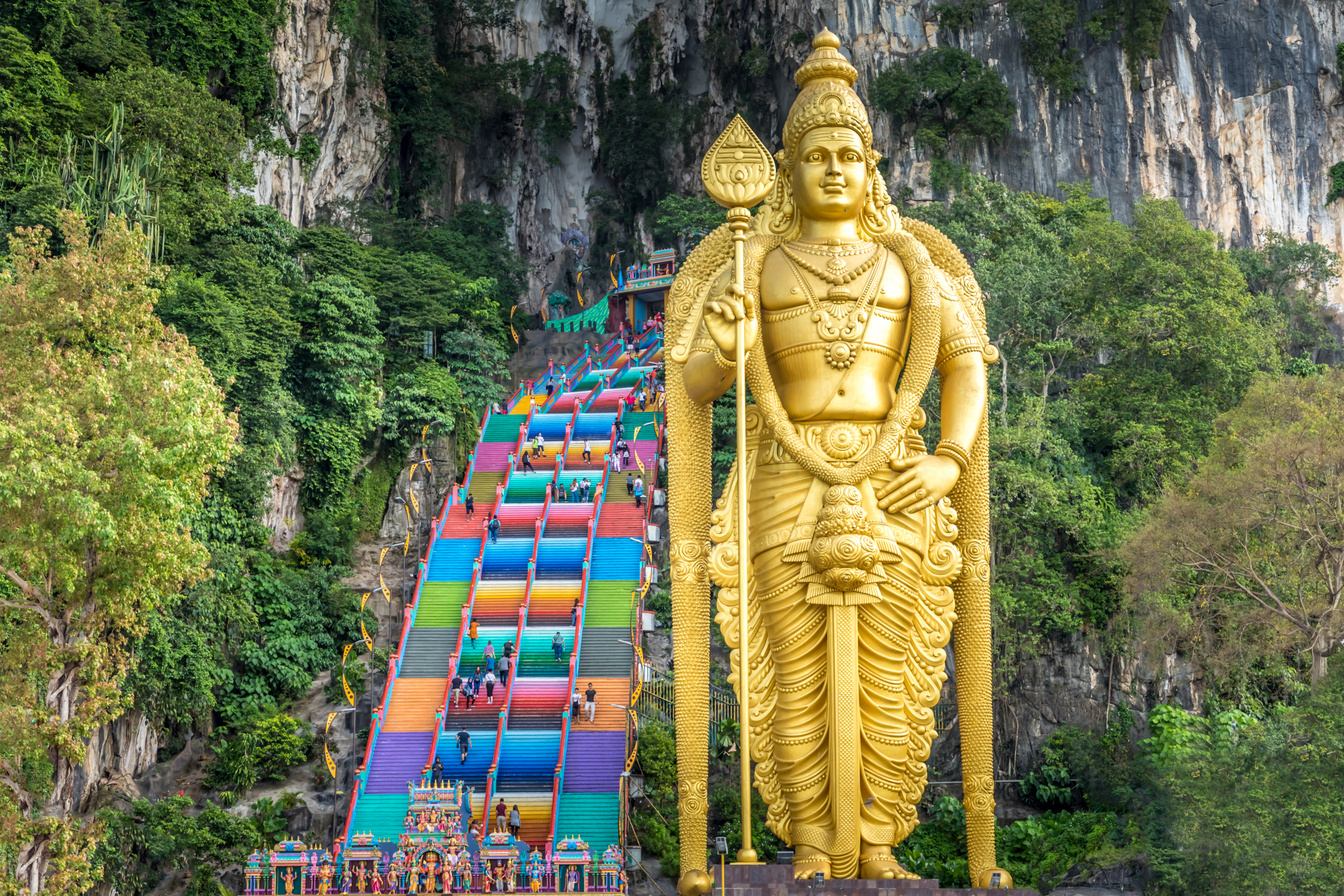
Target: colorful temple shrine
column 436, row 853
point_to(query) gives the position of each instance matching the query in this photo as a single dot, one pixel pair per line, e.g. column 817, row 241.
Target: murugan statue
column 863, row 548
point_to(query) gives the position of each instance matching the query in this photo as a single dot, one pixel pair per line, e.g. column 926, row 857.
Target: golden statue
column 863, row 548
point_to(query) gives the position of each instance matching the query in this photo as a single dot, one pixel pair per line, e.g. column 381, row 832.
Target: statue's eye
column 814, row 157
column 851, row 157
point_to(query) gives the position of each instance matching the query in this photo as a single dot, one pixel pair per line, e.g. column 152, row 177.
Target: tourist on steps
column 489, row 654
column 457, row 689
column 494, row 529
column 541, row 445
column 501, row 815
column 464, row 743
column 471, row 633
column 588, row 450
column 590, row 703
column 630, row 486
column 490, row 687
column 527, row 463
column 558, row 646
column 515, row 821
column 639, row 492
column 471, row 506
column 574, row 614
column 436, row 771
column 503, row 668
column 574, row 700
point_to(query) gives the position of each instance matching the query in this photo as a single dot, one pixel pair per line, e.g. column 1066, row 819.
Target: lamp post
column 345, row 710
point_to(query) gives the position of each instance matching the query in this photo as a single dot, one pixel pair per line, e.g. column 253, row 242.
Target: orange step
column 414, row 704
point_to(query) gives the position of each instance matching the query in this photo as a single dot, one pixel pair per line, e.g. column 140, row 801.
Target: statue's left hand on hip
column 924, row 480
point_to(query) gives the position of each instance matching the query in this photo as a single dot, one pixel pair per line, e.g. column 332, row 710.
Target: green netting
column 590, row 318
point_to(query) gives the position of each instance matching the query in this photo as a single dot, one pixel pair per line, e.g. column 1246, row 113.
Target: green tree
column 421, row 393
column 109, row 428
column 1294, row 276
column 684, row 220
column 222, row 45
column 201, row 138
column 948, row 98
column 1177, row 338
column 1045, row 26
column 1256, row 808
column 36, row 104
column 1255, row 542
column 147, row 839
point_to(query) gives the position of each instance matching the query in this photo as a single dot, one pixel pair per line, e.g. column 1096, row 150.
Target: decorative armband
column 721, row 362
column 956, row 451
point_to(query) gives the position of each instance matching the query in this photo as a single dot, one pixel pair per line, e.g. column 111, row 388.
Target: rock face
column 1238, row 118
column 1072, row 684
column 281, row 512
column 322, row 95
column 117, row 753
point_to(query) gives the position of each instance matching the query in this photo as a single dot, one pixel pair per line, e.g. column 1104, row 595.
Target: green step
column 594, row 817
column 608, row 603
column 503, row 428
column 381, row 814
column 536, row 656
column 441, row 604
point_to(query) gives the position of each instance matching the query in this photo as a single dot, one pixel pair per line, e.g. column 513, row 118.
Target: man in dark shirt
column 590, row 702
column 464, row 743
column 436, row 771
column 457, row 688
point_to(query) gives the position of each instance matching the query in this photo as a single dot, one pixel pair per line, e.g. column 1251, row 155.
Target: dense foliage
column 947, row 98
column 109, row 428
column 314, row 338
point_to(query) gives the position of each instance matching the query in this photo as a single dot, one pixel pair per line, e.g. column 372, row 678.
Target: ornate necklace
column 835, row 273
column 843, row 336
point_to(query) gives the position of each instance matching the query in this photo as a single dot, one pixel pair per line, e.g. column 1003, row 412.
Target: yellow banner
column 331, row 763
column 345, row 654
column 387, row 595
column 365, row 632
column 511, row 329
column 349, row 694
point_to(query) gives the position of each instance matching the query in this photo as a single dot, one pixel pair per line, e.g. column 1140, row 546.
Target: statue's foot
column 877, row 863
column 808, row 860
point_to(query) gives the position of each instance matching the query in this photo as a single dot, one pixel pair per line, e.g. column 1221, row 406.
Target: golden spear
column 738, row 172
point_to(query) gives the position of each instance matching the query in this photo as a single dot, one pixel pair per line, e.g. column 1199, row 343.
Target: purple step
column 594, row 761
column 398, row 757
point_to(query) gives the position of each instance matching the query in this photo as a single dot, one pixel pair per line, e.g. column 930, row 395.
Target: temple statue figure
column 864, row 547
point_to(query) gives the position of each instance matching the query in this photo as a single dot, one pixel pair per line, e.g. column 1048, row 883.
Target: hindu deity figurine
column 863, row 547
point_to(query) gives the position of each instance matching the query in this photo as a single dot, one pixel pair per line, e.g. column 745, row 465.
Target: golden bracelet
column 949, row 448
column 721, row 362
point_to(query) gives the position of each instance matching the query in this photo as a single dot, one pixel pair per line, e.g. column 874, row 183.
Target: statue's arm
column 962, row 382
column 705, row 376
column 961, row 372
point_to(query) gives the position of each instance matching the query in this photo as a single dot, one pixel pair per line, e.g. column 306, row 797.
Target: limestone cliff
column 1237, row 118
column 322, row 95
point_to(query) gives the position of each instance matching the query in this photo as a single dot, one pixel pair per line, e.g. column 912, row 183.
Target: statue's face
column 830, row 176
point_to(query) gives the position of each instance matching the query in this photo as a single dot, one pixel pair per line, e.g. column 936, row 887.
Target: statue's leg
column 797, row 637
column 891, row 784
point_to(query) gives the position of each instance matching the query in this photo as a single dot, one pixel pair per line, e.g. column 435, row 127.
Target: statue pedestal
column 777, row 880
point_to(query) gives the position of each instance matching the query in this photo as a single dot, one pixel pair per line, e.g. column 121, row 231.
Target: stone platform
column 777, row 880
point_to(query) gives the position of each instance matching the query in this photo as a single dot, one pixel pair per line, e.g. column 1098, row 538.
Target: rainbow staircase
column 559, row 567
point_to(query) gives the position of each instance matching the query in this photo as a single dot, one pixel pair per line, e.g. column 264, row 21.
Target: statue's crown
column 827, row 96
column 826, row 63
